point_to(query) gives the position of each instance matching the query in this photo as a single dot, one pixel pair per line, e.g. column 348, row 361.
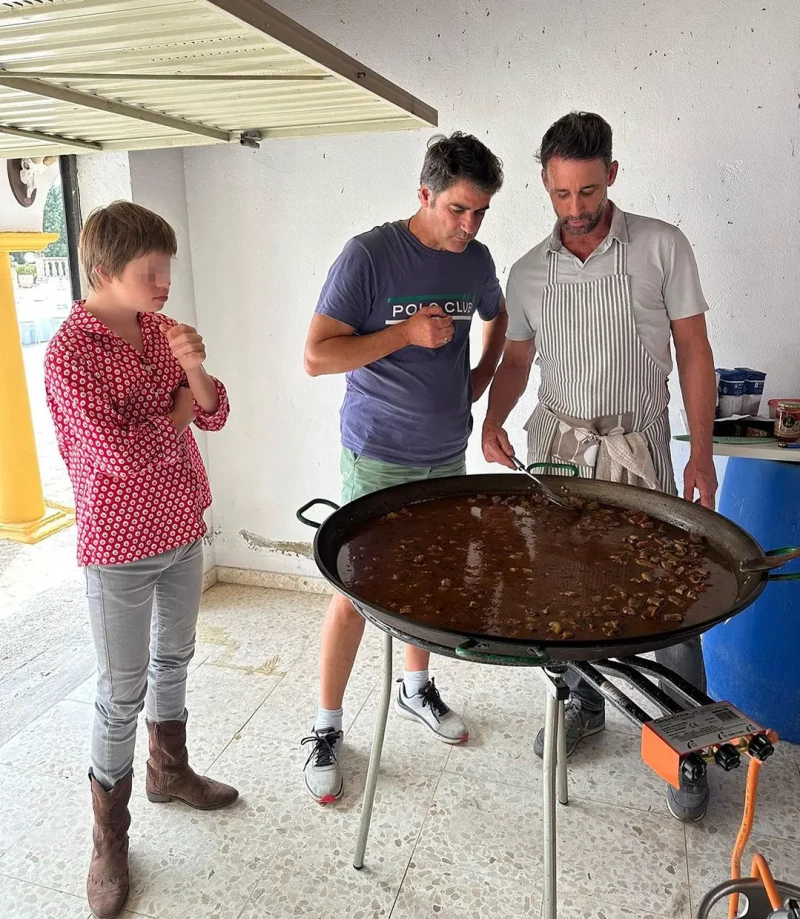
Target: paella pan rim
column 725, row 537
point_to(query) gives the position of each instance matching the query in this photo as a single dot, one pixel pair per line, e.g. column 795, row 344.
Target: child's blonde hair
column 115, row 235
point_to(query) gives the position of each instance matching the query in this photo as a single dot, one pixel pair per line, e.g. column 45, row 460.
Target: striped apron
column 594, row 367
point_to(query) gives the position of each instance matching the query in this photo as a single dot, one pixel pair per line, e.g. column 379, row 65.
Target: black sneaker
column 322, row 772
column 689, row 803
column 577, row 725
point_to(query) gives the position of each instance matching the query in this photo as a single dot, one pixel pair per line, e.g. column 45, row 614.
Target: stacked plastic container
column 739, row 391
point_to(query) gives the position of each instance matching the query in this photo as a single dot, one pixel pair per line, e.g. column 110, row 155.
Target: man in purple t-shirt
column 394, row 316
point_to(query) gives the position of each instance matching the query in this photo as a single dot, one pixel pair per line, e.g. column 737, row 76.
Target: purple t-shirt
column 412, row 408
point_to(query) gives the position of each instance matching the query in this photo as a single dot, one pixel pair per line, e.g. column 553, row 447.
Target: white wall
column 704, row 100
column 103, row 178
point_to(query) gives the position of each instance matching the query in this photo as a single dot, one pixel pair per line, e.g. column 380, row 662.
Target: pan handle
column 775, row 558
column 573, row 469
column 469, row 651
column 313, row 523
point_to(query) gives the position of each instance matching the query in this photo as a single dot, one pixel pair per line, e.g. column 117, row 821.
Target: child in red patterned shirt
column 124, row 385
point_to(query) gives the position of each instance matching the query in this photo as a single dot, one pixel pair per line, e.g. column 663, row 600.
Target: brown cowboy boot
column 107, row 884
column 169, row 774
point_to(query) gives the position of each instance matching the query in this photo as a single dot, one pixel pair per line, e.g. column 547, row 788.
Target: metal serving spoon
column 770, row 562
column 546, row 490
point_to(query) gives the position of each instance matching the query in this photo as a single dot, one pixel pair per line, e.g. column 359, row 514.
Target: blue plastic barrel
column 753, row 660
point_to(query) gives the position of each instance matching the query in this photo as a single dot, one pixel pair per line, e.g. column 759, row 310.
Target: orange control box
column 667, row 741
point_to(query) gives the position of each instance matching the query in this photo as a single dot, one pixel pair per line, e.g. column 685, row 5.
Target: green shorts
column 361, row 475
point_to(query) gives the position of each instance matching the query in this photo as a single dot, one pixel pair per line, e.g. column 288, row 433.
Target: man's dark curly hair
column 460, row 157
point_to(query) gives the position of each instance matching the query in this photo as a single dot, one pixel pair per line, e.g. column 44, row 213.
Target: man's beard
column 592, row 221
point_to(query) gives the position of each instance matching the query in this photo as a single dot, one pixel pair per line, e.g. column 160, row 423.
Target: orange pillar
column 25, row 516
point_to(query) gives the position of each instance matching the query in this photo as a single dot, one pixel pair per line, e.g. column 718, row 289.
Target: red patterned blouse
column 140, row 489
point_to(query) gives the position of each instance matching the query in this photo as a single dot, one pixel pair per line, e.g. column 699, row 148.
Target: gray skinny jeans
column 143, row 648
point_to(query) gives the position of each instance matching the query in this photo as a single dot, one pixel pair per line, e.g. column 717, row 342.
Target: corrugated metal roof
column 85, row 75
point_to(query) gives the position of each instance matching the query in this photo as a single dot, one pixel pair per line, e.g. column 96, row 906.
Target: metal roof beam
column 279, row 27
column 170, row 77
column 333, row 129
column 48, row 138
column 88, row 100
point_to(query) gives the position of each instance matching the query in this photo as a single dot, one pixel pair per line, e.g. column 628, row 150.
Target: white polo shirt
column 665, row 284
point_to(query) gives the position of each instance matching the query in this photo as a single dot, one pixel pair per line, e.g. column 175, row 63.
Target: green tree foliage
column 55, row 222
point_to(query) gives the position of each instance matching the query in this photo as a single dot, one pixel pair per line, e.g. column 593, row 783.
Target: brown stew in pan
column 520, row 567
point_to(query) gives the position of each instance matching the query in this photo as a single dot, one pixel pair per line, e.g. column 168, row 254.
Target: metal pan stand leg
column 375, row 754
column 549, row 905
column 561, row 756
column 557, row 694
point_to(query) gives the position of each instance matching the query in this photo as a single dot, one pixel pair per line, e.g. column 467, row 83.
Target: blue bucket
column 753, row 659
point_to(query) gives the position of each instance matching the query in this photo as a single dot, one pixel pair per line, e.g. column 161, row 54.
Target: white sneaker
column 427, row 706
column 322, row 772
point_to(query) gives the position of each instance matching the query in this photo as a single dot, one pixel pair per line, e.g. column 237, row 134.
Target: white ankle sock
column 328, row 718
column 414, row 680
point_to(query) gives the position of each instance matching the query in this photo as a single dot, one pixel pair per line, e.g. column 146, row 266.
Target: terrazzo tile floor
column 456, row 830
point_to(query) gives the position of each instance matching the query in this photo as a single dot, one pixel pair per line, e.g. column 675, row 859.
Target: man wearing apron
column 599, row 301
